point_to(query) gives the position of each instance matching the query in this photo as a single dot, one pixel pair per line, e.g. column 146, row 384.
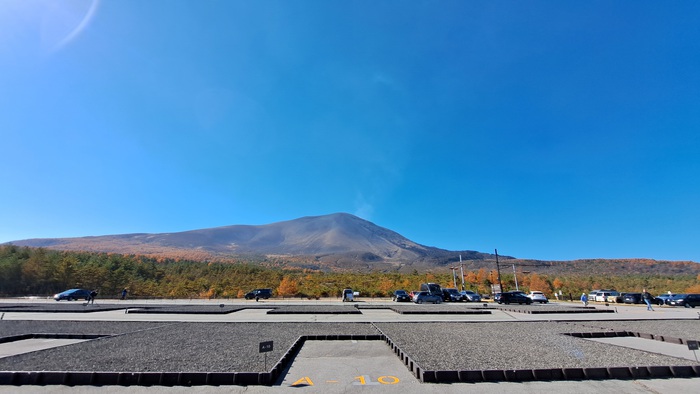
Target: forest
column 41, row 272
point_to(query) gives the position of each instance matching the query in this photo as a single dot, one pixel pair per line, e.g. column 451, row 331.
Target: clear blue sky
column 551, row 130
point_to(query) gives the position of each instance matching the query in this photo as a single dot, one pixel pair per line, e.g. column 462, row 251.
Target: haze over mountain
column 338, row 240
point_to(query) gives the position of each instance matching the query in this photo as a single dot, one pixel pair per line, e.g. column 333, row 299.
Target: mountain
column 339, row 241
column 336, row 241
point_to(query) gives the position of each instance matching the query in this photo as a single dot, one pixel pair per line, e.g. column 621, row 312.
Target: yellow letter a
column 305, row 381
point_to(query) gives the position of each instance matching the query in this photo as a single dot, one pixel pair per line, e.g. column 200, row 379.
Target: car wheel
column 438, row 301
column 419, row 302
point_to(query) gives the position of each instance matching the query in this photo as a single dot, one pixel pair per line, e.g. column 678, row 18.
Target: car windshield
column 400, row 292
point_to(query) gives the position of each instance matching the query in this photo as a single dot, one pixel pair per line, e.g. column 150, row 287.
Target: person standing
column 584, row 299
column 124, row 294
column 93, row 295
column 647, row 297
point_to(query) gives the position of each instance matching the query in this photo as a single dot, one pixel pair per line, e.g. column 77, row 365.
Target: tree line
column 42, row 272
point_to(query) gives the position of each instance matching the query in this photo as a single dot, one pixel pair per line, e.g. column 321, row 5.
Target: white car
column 538, row 296
column 607, row 296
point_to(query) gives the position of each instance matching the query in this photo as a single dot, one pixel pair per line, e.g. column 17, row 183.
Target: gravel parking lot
column 224, row 347
column 512, row 345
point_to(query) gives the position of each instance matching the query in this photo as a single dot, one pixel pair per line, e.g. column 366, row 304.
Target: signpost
column 264, row 348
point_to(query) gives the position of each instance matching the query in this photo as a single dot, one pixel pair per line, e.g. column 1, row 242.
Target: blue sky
column 548, row 130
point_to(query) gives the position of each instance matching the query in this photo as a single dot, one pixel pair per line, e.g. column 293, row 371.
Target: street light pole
column 515, row 276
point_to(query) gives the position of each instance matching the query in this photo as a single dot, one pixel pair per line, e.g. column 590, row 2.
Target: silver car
column 470, row 296
column 424, row 296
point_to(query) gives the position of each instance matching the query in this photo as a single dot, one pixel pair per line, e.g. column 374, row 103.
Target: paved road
column 358, row 366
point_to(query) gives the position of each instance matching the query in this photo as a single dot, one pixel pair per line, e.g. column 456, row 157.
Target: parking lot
column 375, row 344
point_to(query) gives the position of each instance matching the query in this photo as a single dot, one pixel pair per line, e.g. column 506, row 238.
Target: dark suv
column 258, row 294
column 514, row 297
column 686, row 300
column 452, row 295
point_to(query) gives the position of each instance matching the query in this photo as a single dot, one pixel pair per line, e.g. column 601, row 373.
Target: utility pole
column 454, row 276
column 516, row 278
column 498, row 270
column 461, row 271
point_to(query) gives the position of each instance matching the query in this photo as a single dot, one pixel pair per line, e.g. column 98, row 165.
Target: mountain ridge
column 334, row 242
column 338, row 240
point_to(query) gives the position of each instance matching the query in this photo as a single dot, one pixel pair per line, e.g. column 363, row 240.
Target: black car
column 73, row 294
column 514, row 297
column 400, row 295
column 452, row 295
column 686, row 300
column 632, row 298
column 258, row 294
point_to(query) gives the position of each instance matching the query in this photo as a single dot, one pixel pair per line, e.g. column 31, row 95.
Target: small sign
column 693, row 345
column 266, row 346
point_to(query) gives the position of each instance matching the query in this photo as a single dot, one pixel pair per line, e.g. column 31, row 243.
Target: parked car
column 514, row 297
column 72, row 295
column 661, row 299
column 470, row 296
column 451, row 295
column 607, row 296
column 632, row 298
column 258, row 294
column 424, row 296
column 348, row 295
column 686, row 300
column 497, row 297
column 432, row 288
column 538, row 296
column 400, row 295
column 592, row 295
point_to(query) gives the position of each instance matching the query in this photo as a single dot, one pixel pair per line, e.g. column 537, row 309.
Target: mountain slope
column 340, row 240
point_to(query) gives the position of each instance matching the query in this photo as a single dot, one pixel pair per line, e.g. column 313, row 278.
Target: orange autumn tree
column 386, row 285
column 537, row 283
column 287, row 287
column 557, row 283
column 471, row 278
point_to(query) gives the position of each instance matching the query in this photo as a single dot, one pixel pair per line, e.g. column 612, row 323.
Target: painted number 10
column 365, row 380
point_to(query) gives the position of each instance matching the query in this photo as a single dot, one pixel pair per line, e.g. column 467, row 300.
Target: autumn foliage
column 42, row 272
